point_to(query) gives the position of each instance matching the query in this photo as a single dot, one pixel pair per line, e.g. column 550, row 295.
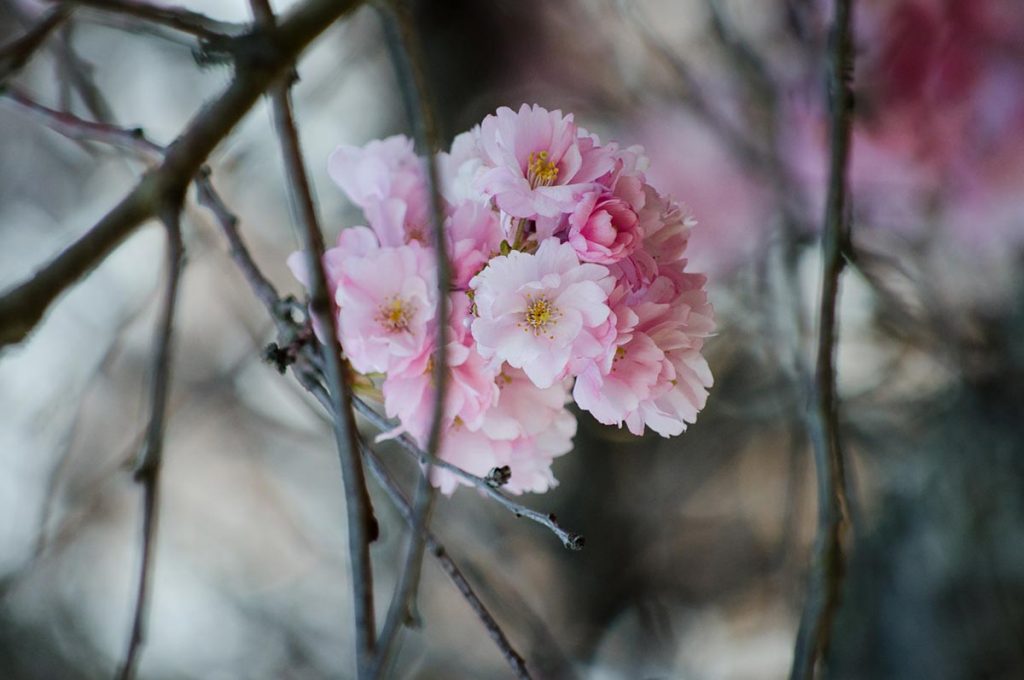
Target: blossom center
column 541, row 171
column 395, row 314
column 540, row 315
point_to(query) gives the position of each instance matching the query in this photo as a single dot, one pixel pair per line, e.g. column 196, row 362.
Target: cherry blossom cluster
column 569, row 282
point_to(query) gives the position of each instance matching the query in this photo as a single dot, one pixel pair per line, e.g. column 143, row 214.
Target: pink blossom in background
column 941, row 118
column 567, row 267
column 460, row 167
column 736, row 207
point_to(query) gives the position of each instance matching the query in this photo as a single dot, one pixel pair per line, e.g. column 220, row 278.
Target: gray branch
column 822, row 604
column 406, row 54
column 149, row 461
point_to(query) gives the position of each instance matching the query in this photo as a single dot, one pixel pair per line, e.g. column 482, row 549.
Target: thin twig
column 22, row 307
column 74, row 127
column 74, row 68
column 827, row 570
column 406, row 55
column 494, row 631
column 569, row 539
column 80, row 74
column 260, row 284
column 148, row 462
column 14, row 55
column 361, row 523
column 178, row 18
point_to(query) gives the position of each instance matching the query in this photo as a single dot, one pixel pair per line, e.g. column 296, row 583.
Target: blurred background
column 697, row 547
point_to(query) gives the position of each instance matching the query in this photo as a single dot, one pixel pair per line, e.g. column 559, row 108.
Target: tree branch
column 362, row 527
column 177, row 18
column 22, row 307
column 148, row 462
column 14, row 55
column 827, row 570
column 261, row 286
column 79, row 129
column 406, row 54
column 494, row 631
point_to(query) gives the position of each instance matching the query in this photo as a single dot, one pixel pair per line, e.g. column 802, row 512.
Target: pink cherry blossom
column 605, row 227
column 388, row 181
column 534, row 161
column 460, row 168
column 592, row 292
column 537, row 311
column 666, row 227
column 352, row 242
column 613, row 386
column 530, row 458
column 474, row 234
column 536, row 424
column 677, row 317
column 526, row 430
column 386, row 300
column 522, row 409
column 470, row 384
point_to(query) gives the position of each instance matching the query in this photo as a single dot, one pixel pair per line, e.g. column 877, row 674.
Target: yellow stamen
column 395, row 314
column 540, row 315
column 540, row 171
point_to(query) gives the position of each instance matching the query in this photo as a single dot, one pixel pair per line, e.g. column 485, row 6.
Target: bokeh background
column 697, row 547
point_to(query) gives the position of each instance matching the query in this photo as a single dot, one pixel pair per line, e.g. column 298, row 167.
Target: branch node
column 498, row 477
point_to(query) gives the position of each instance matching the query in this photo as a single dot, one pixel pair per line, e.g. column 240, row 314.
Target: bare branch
column 148, row 462
column 494, row 631
column 73, row 127
column 406, row 54
column 14, row 55
column 262, row 287
column 136, row 141
column 362, row 527
column 24, row 306
column 827, row 571
column 177, row 18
